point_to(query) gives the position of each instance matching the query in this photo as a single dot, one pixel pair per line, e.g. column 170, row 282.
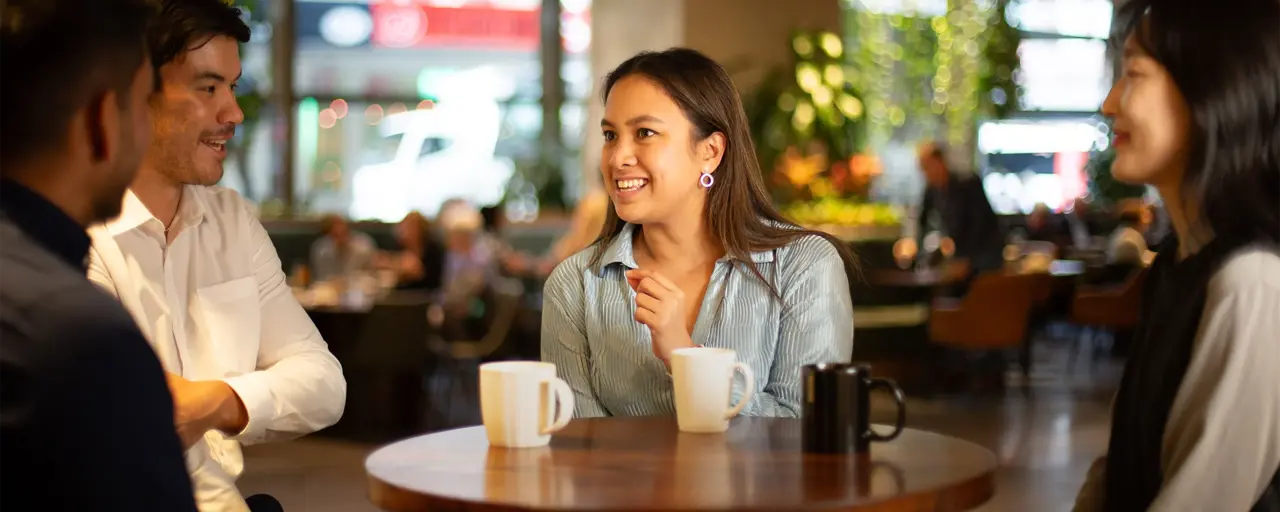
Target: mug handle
column 746, row 392
column 889, row 385
column 563, row 396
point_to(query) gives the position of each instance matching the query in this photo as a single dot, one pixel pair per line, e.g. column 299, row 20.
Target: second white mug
column 518, row 402
column 703, row 381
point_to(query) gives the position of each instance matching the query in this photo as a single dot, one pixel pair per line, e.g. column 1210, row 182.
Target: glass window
column 1063, row 74
column 1077, row 18
column 407, row 104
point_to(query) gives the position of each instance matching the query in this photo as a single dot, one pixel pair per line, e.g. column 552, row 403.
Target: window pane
column 407, row 104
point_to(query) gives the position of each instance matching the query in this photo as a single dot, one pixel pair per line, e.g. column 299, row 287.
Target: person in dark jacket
column 1196, row 421
column 956, row 205
column 86, row 417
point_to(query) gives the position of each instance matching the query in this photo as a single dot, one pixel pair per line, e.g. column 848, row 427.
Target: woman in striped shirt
column 692, row 252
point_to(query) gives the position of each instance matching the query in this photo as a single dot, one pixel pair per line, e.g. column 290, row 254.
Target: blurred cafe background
column 383, row 130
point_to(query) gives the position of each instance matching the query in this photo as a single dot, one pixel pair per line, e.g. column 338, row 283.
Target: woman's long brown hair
column 739, row 211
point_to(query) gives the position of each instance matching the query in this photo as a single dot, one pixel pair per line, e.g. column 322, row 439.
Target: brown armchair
column 992, row 315
column 1112, row 308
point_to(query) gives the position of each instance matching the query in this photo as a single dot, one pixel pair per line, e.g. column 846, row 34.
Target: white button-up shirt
column 215, row 305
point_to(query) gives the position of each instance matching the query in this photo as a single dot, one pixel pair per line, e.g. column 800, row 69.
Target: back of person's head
column 738, row 211
column 1039, row 217
column 413, row 230
column 331, row 222
column 937, row 149
column 1224, row 62
column 458, row 217
column 1130, row 218
column 934, row 158
column 75, row 83
column 194, row 47
column 1131, row 213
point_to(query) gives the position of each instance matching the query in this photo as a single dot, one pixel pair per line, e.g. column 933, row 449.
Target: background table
column 647, row 464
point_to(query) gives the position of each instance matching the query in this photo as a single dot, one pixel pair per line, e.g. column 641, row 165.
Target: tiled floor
column 1045, row 436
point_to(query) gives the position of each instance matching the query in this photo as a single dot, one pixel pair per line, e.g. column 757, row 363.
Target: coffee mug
column 836, row 410
column 703, row 381
column 518, row 401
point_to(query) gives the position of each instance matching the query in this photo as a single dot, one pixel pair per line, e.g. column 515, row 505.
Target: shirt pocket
column 231, row 318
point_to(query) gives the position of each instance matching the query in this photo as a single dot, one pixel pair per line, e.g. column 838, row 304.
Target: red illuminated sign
column 416, row 25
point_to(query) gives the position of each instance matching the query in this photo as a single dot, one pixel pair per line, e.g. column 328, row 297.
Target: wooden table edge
column 968, row 495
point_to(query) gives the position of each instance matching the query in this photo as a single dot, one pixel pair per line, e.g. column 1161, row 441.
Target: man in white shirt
column 195, row 268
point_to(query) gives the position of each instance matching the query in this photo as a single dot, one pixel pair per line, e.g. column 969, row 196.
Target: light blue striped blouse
column 589, row 332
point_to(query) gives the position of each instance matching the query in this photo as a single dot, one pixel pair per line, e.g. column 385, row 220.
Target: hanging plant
column 1001, row 91
column 806, row 116
column 919, row 74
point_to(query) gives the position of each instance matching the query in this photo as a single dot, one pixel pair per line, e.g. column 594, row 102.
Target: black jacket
column 968, row 219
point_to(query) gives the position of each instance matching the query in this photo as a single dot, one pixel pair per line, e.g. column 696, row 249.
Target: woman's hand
column 660, row 307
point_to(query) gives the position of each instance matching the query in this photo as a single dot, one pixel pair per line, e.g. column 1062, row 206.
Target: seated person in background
column 1041, row 226
column 1159, row 227
column 693, row 253
column 956, row 205
column 1128, row 243
column 419, row 264
column 339, row 251
column 470, row 267
column 469, row 261
column 1077, row 221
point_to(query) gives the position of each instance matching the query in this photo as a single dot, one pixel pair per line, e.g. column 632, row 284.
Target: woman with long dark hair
column 692, row 252
column 1196, row 422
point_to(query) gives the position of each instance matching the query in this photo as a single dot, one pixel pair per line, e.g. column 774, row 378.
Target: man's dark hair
column 55, row 57
column 184, row 25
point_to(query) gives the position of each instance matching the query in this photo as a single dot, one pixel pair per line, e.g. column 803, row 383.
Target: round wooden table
column 647, row 464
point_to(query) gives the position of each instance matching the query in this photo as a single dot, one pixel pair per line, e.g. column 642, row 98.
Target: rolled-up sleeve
column 564, row 335
column 816, row 325
column 1221, row 446
column 298, row 387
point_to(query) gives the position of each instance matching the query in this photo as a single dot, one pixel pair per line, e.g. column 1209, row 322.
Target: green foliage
column 1104, row 187
column 252, row 101
column 811, row 103
column 547, row 178
column 921, row 74
column 1000, row 63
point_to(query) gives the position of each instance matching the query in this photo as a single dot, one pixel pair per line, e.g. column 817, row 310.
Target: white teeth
column 631, row 184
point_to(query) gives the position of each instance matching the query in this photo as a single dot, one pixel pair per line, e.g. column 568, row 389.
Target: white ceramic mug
column 703, row 379
column 518, row 402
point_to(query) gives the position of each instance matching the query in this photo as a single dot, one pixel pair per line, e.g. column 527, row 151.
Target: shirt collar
column 133, row 213
column 621, row 251
column 45, row 223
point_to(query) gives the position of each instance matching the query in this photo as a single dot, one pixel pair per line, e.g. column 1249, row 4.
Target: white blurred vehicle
column 442, row 153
